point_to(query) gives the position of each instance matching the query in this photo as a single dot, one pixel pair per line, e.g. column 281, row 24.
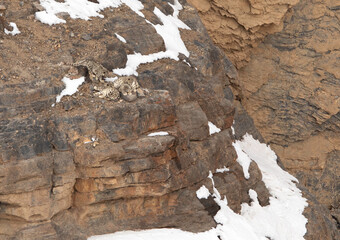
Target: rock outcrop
column 291, row 85
column 239, row 26
column 291, row 90
column 86, row 165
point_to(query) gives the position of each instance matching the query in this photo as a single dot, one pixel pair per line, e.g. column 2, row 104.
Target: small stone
column 86, row 37
column 129, row 97
column 37, row 6
column 71, row 34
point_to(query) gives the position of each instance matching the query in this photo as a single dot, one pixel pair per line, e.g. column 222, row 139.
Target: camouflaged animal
column 108, row 92
column 128, row 87
column 96, row 71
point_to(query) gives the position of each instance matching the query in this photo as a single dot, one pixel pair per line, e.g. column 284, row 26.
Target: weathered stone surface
column 291, row 90
column 239, row 26
column 67, row 171
column 193, row 121
column 87, row 166
column 323, row 225
column 289, row 84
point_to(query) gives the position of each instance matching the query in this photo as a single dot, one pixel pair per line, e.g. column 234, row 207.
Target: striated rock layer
column 290, row 83
column 87, row 165
column 291, row 90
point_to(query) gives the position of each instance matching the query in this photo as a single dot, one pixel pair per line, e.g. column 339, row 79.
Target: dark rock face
column 87, row 166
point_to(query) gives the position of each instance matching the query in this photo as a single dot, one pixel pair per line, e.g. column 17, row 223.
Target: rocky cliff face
column 291, row 87
column 86, row 165
column 239, row 26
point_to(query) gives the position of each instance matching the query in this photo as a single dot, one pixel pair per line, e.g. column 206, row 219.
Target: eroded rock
column 239, row 26
column 66, row 187
column 291, row 90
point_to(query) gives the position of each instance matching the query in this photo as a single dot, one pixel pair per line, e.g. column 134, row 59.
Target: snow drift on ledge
column 282, row 219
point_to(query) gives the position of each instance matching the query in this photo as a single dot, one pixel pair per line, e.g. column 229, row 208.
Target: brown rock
column 86, row 166
column 291, row 91
column 193, row 121
column 290, row 86
column 239, row 26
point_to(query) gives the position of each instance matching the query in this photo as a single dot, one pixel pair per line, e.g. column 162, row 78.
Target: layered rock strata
column 86, row 165
column 239, row 26
column 290, row 83
column 291, row 90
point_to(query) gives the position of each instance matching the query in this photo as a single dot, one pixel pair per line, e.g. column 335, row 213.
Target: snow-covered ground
column 282, row 219
column 81, row 9
column 161, row 133
column 71, row 87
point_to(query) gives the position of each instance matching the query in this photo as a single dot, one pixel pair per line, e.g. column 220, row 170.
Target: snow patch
column 213, row 129
column 15, row 30
column 136, row 59
column 84, row 9
column 242, row 158
column 222, row 170
column 81, row 9
column 169, row 31
column 283, row 218
column 232, row 130
column 157, row 234
column 120, row 38
column 158, row 134
column 71, row 87
column 203, row 192
column 174, row 44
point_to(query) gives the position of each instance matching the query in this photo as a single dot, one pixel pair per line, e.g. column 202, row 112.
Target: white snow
column 120, row 38
column 282, row 219
column 93, row 139
column 169, row 31
column 71, row 87
column 203, row 192
column 157, row 234
column 82, row 9
column 186, row 62
column 242, row 158
column 158, row 134
column 213, row 129
column 134, row 60
column 15, row 30
column 222, row 170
